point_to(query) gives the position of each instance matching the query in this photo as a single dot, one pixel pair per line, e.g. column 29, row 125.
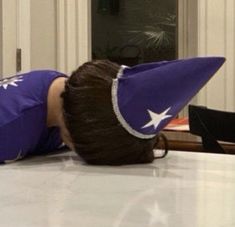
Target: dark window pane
column 134, row 31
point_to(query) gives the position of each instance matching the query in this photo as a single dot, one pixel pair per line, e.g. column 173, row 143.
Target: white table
column 183, row 190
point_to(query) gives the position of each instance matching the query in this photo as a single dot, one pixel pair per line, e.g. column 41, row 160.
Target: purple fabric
column 164, row 87
column 23, row 113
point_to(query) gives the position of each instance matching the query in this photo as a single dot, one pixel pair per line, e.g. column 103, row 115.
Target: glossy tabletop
column 183, row 190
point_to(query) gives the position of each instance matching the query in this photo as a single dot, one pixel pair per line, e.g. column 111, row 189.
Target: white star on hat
column 156, row 118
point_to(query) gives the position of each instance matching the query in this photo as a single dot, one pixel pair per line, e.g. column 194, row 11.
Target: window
column 134, row 31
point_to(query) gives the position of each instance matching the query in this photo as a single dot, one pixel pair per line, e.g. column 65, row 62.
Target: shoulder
column 25, row 91
column 20, row 81
column 41, row 76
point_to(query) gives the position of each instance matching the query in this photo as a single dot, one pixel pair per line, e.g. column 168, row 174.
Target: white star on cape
column 10, row 81
column 157, row 118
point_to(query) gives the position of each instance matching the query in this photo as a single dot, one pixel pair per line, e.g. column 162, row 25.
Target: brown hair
column 97, row 135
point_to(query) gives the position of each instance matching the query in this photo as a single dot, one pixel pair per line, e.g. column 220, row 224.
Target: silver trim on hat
column 119, row 116
column 120, row 71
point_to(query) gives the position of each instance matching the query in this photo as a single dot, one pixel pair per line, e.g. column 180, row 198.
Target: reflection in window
column 134, row 31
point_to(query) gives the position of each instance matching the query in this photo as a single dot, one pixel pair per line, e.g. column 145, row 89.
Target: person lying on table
column 108, row 114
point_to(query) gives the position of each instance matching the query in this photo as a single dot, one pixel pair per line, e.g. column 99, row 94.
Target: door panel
column 8, row 37
column 52, row 34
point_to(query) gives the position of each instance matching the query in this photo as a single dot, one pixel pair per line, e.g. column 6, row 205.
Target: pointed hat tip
column 216, row 59
column 154, row 93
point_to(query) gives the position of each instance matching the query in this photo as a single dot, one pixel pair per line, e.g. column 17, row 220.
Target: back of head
column 97, row 135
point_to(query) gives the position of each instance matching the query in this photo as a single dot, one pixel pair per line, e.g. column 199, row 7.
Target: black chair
column 213, row 126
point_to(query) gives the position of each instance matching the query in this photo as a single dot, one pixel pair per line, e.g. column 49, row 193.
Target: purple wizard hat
column 147, row 96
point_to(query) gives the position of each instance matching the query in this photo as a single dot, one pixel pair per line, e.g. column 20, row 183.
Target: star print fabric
column 23, row 112
column 146, row 97
column 12, row 81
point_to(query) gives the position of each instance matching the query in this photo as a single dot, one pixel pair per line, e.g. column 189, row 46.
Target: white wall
column 187, row 28
column 216, row 37
column 73, row 33
column 207, row 28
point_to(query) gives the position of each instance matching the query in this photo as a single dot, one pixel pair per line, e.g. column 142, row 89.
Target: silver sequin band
column 119, row 115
